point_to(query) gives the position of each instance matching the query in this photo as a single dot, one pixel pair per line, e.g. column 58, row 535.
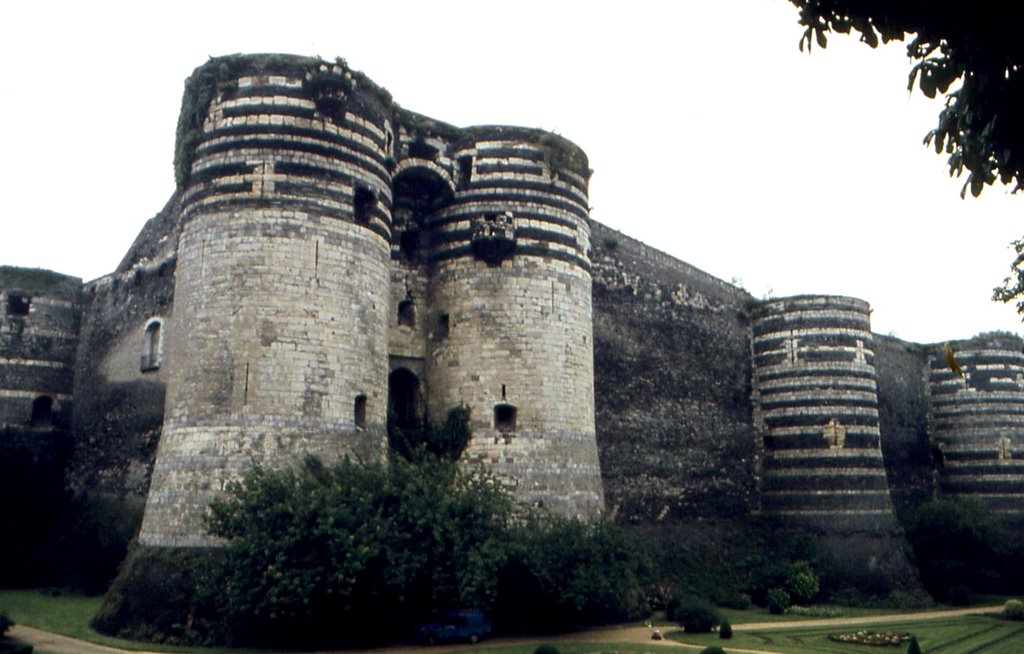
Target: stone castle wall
column 281, row 292
column 331, row 257
column 39, row 323
column 816, row 406
column 511, row 274
column 977, row 421
column 672, row 386
column 317, row 222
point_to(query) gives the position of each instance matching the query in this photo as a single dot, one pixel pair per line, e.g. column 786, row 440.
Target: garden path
column 50, row 642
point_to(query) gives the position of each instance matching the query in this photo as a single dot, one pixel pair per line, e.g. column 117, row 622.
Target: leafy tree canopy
column 974, row 48
column 979, row 44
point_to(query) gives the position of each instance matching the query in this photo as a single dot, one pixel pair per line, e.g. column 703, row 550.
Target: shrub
column 778, row 601
column 725, row 631
column 814, row 611
column 5, row 623
column 738, row 601
column 713, row 649
column 913, row 647
column 561, row 573
column 695, row 615
column 546, row 649
column 959, row 596
column 1013, row 610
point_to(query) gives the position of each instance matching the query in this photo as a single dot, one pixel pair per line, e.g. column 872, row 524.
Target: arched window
column 152, row 345
column 42, row 410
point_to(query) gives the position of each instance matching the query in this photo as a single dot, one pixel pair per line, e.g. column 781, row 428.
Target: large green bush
column 693, row 614
column 563, row 573
column 327, row 554
column 956, row 542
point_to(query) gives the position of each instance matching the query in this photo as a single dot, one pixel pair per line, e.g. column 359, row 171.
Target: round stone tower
column 281, row 292
column 511, row 289
column 816, row 404
column 39, row 322
column 977, row 420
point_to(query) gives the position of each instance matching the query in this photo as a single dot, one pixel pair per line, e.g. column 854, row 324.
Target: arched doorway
column 404, row 404
column 42, row 410
column 418, row 192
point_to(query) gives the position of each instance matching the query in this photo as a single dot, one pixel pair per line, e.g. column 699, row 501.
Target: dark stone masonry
column 330, row 258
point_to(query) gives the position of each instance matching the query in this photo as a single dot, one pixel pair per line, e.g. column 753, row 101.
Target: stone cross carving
column 792, row 350
column 834, row 434
column 860, row 357
column 1003, row 451
column 263, row 176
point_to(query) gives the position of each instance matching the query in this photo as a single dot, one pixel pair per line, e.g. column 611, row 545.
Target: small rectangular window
column 360, row 412
column 441, row 331
column 363, row 202
column 407, row 313
column 504, row 417
column 18, row 304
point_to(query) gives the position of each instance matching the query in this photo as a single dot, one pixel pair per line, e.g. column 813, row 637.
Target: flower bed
column 877, row 638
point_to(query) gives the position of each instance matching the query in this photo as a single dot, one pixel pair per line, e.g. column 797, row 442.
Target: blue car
column 464, row 624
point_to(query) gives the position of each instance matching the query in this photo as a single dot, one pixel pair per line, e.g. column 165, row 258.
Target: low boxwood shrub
column 725, row 631
column 712, row 649
column 1013, row 610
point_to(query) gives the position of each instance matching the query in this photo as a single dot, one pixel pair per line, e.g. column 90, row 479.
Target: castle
column 329, row 258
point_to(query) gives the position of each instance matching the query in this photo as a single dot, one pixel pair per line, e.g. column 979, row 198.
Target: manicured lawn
column 961, row 635
column 64, row 614
column 69, row 615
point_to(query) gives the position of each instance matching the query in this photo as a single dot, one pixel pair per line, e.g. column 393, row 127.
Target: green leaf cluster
column 695, row 615
column 976, row 44
column 564, row 573
column 327, row 554
column 358, row 553
column 957, row 543
column 974, row 48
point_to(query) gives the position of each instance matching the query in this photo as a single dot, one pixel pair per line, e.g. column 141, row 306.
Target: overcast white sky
column 711, row 136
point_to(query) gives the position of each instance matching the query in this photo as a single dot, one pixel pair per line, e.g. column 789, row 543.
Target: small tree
column 725, row 631
column 913, row 647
